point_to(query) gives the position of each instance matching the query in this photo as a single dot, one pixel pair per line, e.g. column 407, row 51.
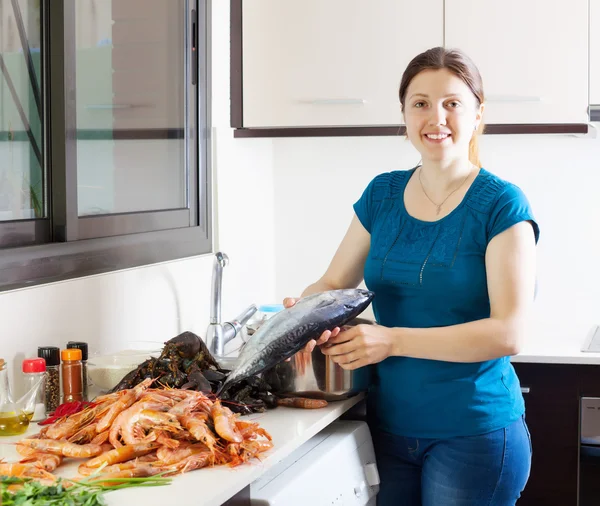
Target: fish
column 291, row 329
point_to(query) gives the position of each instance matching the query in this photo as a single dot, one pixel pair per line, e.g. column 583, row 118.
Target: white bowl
column 105, row 371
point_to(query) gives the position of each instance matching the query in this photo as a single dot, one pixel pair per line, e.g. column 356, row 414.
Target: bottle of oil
column 14, row 416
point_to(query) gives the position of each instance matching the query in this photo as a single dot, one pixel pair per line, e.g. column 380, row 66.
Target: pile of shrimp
column 142, row 432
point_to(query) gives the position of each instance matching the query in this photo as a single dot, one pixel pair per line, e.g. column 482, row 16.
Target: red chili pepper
column 65, row 409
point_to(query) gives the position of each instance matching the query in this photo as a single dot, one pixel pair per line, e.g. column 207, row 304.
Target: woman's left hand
column 361, row 345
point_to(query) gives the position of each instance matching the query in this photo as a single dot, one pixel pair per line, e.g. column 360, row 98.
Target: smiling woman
column 449, row 250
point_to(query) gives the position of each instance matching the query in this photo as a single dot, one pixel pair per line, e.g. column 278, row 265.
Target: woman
column 449, row 250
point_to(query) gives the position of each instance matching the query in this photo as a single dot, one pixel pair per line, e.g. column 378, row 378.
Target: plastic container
column 106, row 371
column 34, row 372
column 51, row 354
column 72, row 375
column 79, row 345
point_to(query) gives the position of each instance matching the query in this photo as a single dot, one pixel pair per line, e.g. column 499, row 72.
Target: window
column 23, row 189
column 103, row 147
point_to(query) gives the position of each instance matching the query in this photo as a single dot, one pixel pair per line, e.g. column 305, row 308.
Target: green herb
column 88, row 492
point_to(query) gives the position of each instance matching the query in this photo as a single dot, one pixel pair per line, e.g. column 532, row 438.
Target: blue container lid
column 270, row 308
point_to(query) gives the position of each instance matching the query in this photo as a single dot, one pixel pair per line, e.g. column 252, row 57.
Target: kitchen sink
column 227, row 362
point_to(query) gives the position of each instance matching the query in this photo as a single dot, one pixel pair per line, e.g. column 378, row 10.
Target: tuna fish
column 291, row 329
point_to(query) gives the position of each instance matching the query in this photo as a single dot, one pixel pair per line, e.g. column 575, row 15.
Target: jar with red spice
column 72, row 375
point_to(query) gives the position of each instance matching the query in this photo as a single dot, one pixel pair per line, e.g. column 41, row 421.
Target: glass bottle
column 84, row 368
column 15, row 416
column 34, row 371
column 72, row 375
column 51, row 354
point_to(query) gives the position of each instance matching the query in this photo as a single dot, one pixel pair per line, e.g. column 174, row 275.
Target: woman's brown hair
column 462, row 67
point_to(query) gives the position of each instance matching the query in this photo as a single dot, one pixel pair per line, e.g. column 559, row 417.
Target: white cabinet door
column 331, row 62
column 595, row 52
column 532, row 55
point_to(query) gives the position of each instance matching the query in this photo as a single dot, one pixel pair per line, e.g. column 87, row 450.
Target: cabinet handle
column 513, row 98
column 108, row 106
column 594, row 114
column 525, row 390
column 335, row 101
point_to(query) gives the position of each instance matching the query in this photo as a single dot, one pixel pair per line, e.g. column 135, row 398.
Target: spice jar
column 34, row 372
column 51, row 354
column 79, row 345
column 72, row 376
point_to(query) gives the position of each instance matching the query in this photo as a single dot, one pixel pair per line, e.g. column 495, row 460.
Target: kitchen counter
column 289, row 428
column 558, row 343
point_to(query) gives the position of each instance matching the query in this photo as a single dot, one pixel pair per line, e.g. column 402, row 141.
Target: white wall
column 318, row 180
column 155, row 303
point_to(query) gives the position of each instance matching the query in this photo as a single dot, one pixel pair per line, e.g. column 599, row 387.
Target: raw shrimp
column 84, row 435
column 121, row 454
column 190, row 403
column 164, row 439
column 63, row 448
column 251, row 430
column 127, row 419
column 242, row 452
column 101, row 438
column 225, row 423
column 168, row 456
column 67, row 426
column 138, row 471
column 25, row 471
column 48, row 461
column 123, row 402
column 195, row 461
column 199, row 430
column 129, row 464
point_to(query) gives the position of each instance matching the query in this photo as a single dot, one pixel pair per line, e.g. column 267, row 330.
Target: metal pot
column 318, row 376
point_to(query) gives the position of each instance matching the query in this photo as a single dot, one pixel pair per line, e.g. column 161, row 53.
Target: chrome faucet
column 219, row 334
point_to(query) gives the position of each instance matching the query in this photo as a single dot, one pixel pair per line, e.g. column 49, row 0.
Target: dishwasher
column 336, row 466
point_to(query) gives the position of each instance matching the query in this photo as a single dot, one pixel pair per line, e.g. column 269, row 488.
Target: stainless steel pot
column 318, row 376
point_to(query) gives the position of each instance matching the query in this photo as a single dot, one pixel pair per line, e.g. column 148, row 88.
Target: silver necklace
column 439, row 206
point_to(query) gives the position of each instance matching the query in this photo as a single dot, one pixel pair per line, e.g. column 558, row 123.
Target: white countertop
column 558, row 342
column 289, row 428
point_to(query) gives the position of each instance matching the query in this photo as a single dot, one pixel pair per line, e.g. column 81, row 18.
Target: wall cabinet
column 533, row 56
column 595, row 52
column 339, row 62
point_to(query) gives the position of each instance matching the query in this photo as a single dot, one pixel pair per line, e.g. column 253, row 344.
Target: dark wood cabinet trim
column 237, row 105
column 236, row 65
column 546, row 128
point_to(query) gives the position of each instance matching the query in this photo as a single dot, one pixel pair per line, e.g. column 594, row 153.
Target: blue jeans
column 487, row 470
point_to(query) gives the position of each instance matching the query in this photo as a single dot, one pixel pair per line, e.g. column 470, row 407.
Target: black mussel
column 242, row 409
column 268, row 398
column 257, row 405
column 213, row 376
column 202, row 384
column 258, row 383
column 242, row 394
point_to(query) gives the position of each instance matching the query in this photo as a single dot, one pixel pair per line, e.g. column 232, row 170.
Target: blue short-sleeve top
column 432, row 274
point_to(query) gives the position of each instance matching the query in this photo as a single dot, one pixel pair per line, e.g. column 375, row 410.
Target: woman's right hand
column 310, row 346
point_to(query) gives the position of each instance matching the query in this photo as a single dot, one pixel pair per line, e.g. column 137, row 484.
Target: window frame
column 65, row 245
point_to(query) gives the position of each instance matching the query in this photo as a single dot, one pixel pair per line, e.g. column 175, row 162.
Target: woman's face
column 441, row 114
